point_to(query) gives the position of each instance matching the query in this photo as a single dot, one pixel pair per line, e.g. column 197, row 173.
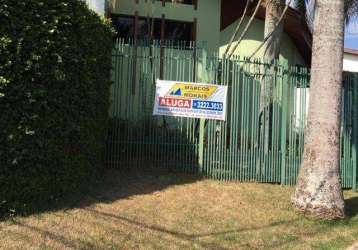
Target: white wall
column 350, row 63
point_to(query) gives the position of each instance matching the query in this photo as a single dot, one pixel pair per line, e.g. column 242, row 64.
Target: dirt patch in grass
column 171, row 211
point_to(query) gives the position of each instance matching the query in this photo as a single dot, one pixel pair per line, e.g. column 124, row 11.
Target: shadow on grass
column 191, row 238
column 196, row 238
column 351, row 207
column 115, row 185
column 55, row 237
column 180, row 234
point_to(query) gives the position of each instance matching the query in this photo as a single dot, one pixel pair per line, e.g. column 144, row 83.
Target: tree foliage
column 54, row 91
column 307, row 7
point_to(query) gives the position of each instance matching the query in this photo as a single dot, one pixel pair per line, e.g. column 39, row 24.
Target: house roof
column 294, row 24
column 351, row 51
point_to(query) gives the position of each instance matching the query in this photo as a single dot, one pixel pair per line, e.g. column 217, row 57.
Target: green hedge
column 55, row 61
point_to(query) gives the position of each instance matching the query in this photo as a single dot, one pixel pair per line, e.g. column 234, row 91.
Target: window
column 180, row 1
column 145, row 28
column 178, row 31
column 175, row 31
column 124, row 26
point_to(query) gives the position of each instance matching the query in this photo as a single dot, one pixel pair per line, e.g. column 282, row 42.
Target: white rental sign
column 186, row 99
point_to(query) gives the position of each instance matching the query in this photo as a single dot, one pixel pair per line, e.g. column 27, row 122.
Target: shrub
column 55, row 60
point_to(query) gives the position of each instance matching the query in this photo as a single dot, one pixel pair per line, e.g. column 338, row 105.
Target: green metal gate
column 262, row 138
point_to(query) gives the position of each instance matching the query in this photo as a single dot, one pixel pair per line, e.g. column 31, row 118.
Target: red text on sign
column 173, row 102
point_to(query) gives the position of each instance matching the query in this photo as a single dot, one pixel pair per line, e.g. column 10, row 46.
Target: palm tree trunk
column 274, row 9
column 318, row 191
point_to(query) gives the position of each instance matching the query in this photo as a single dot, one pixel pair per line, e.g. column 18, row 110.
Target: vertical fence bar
column 284, row 105
column 355, row 132
column 238, row 79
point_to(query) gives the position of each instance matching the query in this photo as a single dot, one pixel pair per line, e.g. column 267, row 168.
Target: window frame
column 194, row 3
column 136, row 19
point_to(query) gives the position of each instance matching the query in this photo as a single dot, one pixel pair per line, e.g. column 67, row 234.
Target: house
column 212, row 21
column 227, row 149
column 350, row 61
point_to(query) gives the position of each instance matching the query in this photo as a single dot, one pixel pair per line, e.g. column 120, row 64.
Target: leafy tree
column 54, row 91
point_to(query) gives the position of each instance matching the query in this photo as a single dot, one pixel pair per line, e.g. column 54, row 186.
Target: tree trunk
column 318, row 191
column 274, row 9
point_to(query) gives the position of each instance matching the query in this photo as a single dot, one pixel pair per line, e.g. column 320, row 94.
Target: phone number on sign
column 218, row 106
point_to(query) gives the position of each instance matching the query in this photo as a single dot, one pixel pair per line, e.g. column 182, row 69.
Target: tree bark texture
column 274, row 9
column 318, row 190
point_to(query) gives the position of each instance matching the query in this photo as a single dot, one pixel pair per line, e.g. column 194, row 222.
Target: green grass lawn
column 161, row 210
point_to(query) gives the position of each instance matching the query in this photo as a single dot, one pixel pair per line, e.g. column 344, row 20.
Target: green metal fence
column 262, row 138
